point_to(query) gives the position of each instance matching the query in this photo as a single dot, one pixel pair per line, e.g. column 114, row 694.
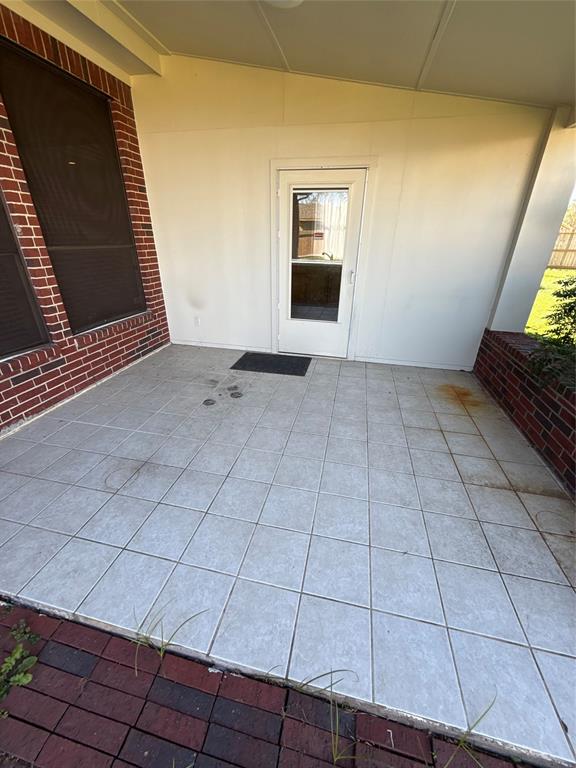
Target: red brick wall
column 33, row 381
column 546, row 415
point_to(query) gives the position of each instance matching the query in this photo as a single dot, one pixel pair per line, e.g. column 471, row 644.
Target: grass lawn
column 544, row 302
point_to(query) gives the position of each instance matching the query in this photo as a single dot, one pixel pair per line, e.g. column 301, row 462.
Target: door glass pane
column 318, row 239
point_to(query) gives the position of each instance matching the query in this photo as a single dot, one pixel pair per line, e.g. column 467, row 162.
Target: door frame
column 367, row 163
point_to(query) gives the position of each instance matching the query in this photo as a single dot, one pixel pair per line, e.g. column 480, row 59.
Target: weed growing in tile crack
column 21, row 632
column 311, row 680
column 463, row 742
column 339, row 753
column 146, row 634
column 15, row 669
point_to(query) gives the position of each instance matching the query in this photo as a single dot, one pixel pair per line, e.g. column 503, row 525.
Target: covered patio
column 368, row 191
column 387, row 524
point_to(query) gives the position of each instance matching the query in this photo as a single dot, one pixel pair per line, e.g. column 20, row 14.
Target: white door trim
column 370, row 165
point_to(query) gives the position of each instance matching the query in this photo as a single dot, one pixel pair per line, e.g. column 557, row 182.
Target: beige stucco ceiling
column 521, row 50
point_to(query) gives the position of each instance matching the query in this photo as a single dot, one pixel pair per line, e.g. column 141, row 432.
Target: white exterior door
column 320, row 214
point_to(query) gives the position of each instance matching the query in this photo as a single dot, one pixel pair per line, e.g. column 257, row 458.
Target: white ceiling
column 520, row 50
column 516, row 50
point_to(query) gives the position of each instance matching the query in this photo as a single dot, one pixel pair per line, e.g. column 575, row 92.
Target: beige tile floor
column 383, row 520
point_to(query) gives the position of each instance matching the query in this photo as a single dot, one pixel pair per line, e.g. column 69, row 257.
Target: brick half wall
column 35, row 380
column 545, row 415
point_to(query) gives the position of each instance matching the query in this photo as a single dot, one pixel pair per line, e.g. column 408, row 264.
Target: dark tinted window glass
column 66, row 142
column 20, row 324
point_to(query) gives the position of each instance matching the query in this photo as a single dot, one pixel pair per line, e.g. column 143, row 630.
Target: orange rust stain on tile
column 461, row 395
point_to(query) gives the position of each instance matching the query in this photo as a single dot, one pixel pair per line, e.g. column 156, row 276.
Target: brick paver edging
column 89, row 706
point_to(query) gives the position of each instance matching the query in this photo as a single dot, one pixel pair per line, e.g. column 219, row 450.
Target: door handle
column 351, row 277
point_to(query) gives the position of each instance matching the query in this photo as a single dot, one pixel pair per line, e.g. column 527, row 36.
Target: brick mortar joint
column 517, row 355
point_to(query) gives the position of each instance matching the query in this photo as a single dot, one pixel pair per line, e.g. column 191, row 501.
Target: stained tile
column 405, row 584
column 414, row 671
column 244, row 635
column 346, row 650
column 139, row 445
column 110, row 474
column 150, row 481
column 532, row 479
column 481, row 471
column 497, row 505
column 551, row 514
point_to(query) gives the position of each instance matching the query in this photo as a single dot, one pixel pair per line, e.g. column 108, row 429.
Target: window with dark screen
column 21, row 325
column 64, row 134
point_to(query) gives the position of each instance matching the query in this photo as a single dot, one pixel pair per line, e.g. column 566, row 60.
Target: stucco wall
column 445, row 190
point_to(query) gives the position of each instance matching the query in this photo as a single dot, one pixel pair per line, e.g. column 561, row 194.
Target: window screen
column 21, row 326
column 66, row 142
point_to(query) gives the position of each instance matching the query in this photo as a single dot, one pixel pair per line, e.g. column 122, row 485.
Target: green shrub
column 555, row 357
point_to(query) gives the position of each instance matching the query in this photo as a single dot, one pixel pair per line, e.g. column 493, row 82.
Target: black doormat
column 259, row 362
